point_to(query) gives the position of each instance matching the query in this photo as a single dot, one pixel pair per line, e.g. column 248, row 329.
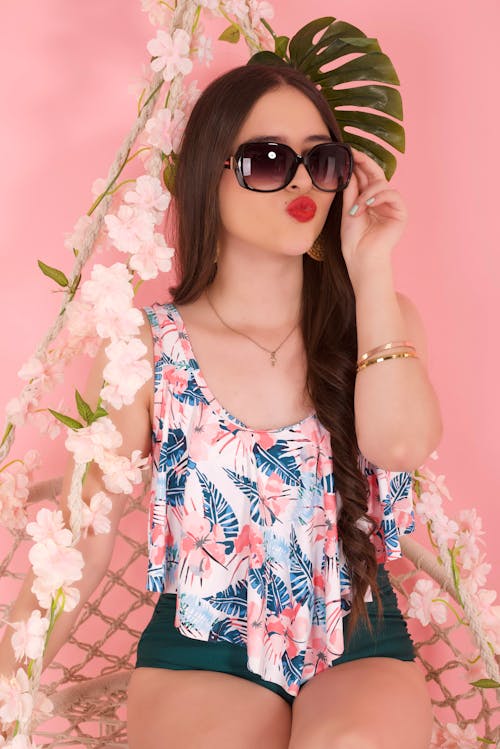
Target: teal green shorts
column 162, row 645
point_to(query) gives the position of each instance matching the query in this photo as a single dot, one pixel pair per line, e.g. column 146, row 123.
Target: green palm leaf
column 315, row 58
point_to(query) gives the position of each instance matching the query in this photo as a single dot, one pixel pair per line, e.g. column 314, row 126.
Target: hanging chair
column 88, row 679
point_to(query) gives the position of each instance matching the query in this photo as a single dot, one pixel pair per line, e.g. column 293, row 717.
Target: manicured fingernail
column 354, row 210
column 370, row 201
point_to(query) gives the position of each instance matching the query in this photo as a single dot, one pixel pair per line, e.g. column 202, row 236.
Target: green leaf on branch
column 486, row 684
column 169, row 171
column 231, row 34
column 280, row 45
column 84, row 409
column 86, row 412
column 66, row 420
column 56, row 275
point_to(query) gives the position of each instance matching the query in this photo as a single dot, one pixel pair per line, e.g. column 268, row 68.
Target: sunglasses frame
column 234, row 163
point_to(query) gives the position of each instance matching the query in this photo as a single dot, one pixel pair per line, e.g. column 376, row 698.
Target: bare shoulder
column 415, row 325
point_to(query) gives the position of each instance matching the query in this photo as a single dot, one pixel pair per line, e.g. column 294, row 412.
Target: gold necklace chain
column 272, row 353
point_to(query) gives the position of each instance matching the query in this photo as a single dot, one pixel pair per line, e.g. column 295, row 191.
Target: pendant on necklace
column 273, row 358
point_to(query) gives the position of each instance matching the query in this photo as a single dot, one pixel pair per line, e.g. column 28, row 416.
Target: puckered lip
column 302, row 208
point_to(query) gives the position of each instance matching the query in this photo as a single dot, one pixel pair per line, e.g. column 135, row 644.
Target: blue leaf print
column 329, row 483
column 249, row 489
column 173, row 450
column 277, row 594
column 277, row 548
column 232, row 601
column 300, row 572
column 224, row 630
column 293, row 667
column 156, row 577
column 217, row 510
column 158, row 374
column 318, row 615
column 191, row 394
column 256, row 580
column 400, row 485
column 277, row 459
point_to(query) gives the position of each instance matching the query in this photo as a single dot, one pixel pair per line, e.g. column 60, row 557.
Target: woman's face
column 259, row 220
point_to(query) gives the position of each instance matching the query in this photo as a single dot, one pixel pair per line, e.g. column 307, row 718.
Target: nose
column 301, row 179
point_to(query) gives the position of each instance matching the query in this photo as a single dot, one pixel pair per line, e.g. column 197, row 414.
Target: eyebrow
column 282, row 138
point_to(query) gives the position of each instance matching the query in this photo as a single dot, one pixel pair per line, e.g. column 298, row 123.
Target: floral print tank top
column 243, row 522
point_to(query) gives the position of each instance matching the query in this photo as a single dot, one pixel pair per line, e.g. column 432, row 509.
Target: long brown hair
column 328, row 302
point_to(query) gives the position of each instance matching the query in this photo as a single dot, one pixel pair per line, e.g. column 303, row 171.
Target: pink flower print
column 255, row 629
column 265, row 439
column 242, row 542
column 201, row 543
column 275, row 497
column 176, row 378
column 318, row 524
column 158, row 545
column 316, row 659
column 296, row 626
column 318, row 584
column 331, row 542
column 276, row 640
column 205, row 433
column 250, row 538
column 256, row 548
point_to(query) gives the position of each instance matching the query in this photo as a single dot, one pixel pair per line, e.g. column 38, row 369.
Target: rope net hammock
column 87, row 680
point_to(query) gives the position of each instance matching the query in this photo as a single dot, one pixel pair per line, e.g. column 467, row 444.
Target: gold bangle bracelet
column 379, row 359
column 385, row 347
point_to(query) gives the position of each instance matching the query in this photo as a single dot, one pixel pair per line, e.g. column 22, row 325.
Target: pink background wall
column 65, row 68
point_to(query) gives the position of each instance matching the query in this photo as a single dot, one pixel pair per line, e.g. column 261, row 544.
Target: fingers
column 377, row 197
column 366, row 168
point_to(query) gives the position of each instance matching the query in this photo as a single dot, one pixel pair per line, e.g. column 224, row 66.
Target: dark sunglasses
column 268, row 166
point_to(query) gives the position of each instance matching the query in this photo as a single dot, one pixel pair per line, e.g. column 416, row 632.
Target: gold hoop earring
column 317, row 251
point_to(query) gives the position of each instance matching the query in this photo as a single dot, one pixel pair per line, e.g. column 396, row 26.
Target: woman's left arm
column 397, row 413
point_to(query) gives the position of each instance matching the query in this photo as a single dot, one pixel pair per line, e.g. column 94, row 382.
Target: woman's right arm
column 134, row 424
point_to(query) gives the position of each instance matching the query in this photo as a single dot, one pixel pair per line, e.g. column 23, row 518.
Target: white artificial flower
column 422, row 606
column 16, row 701
column 204, row 49
column 149, row 195
column 164, row 130
column 89, row 443
column 428, row 506
column 152, row 257
column 170, row 53
column 28, row 639
column 95, row 514
column 120, row 473
column 130, row 227
column 125, row 372
column 49, row 524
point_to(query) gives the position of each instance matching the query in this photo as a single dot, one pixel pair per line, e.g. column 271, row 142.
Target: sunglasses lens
column 329, row 166
column 265, row 166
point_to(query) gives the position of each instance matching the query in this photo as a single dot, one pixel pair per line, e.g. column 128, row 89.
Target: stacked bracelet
column 370, row 357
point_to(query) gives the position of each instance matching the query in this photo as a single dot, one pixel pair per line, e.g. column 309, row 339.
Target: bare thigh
column 192, row 709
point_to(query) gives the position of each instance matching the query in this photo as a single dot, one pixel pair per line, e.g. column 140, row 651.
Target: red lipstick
column 302, row 209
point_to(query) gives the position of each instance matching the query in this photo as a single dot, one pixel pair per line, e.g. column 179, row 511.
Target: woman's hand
column 374, row 230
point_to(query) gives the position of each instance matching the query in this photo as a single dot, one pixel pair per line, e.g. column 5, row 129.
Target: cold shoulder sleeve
column 391, row 505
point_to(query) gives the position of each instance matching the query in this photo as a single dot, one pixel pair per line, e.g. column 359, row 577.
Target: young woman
column 276, row 624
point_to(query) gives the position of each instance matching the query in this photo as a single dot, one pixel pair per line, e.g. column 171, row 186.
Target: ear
column 414, row 325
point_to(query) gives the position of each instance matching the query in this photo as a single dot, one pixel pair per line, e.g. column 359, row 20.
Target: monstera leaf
column 314, row 59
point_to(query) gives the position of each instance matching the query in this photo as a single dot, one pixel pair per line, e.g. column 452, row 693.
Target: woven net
column 87, row 681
